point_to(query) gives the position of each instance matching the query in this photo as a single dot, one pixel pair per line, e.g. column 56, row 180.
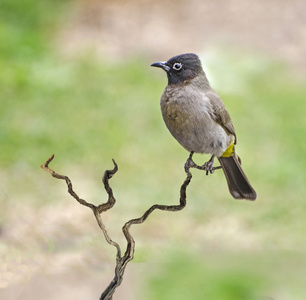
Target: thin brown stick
column 97, row 210
column 121, row 261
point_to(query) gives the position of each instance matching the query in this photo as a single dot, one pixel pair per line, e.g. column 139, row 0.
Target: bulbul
column 197, row 118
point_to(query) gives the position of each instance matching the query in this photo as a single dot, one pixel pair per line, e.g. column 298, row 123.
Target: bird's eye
column 177, row 66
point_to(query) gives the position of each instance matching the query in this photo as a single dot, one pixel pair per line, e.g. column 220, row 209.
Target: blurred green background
column 75, row 81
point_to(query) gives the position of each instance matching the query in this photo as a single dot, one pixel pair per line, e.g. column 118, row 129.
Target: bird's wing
column 220, row 114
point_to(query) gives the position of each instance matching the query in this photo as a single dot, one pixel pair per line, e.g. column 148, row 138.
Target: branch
column 97, row 210
column 127, row 225
column 121, row 261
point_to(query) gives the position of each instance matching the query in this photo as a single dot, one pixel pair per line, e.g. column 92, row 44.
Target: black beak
column 162, row 65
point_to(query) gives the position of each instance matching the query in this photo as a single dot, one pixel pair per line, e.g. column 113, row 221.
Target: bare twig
column 121, row 261
column 97, row 210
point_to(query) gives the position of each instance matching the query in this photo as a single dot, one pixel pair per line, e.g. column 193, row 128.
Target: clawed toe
column 208, row 166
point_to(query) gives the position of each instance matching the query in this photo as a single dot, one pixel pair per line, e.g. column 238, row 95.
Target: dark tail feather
column 238, row 184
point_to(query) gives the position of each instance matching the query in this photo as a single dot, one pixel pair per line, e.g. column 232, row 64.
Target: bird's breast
column 187, row 114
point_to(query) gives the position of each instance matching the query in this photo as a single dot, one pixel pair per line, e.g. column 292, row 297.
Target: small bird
column 197, row 118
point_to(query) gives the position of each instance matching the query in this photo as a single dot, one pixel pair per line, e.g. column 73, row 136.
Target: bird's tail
column 238, row 184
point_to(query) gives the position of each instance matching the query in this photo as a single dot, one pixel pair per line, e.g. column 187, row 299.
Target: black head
column 181, row 67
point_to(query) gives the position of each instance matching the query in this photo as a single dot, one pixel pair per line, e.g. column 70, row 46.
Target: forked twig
column 97, row 210
column 121, row 261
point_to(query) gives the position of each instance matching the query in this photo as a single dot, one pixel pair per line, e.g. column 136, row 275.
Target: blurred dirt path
column 158, row 28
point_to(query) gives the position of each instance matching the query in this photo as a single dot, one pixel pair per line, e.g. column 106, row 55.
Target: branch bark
column 121, row 261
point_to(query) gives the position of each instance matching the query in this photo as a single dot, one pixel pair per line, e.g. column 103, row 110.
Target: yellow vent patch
column 229, row 151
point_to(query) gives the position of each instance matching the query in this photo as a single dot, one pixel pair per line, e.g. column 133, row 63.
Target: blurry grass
column 76, row 108
column 206, row 280
column 88, row 110
column 231, row 276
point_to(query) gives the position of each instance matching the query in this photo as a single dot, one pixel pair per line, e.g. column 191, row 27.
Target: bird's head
column 181, row 67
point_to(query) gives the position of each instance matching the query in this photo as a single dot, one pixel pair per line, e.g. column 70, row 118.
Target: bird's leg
column 208, row 166
column 189, row 163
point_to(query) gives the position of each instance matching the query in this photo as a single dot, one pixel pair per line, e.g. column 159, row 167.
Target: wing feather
column 221, row 115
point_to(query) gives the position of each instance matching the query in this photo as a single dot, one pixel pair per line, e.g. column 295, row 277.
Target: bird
column 197, row 118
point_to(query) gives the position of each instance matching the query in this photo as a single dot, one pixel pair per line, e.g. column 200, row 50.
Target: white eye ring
column 177, row 66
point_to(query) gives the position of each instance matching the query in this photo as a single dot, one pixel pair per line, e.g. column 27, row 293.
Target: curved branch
column 121, row 261
column 97, row 210
column 180, row 206
column 129, row 253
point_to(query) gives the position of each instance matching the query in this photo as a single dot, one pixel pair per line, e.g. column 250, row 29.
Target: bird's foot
column 189, row 163
column 209, row 166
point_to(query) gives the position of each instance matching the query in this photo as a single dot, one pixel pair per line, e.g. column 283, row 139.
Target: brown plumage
column 197, row 118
